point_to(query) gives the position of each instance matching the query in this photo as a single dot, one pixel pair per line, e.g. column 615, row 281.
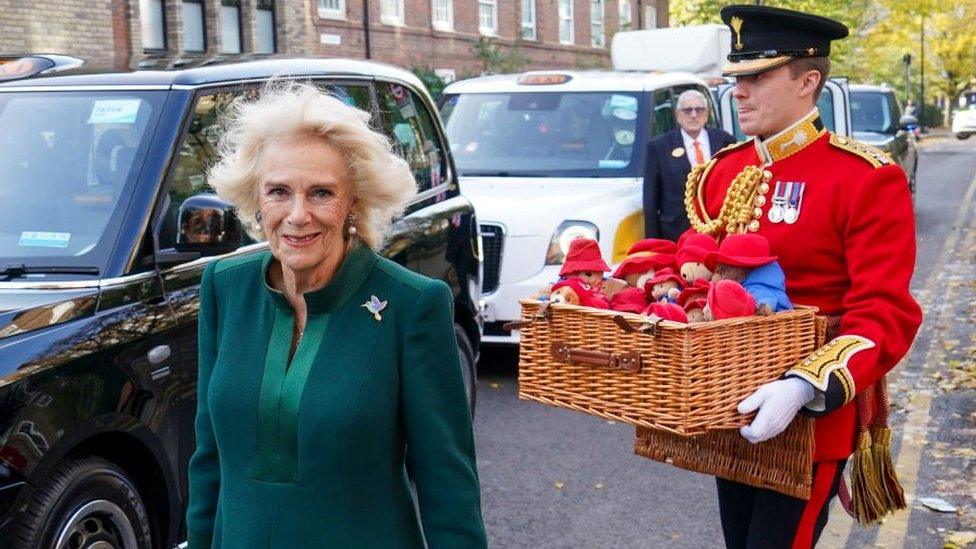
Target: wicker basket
column 685, row 379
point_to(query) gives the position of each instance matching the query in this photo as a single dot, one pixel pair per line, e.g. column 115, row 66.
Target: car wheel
column 963, row 135
column 86, row 503
column 469, row 369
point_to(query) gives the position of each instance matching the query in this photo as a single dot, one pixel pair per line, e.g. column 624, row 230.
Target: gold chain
column 739, row 209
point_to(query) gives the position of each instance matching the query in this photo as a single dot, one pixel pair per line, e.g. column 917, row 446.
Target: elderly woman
column 325, row 369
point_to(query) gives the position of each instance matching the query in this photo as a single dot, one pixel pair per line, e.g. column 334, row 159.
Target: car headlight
column 566, row 233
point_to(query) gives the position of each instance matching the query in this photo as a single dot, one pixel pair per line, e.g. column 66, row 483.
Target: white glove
column 777, row 402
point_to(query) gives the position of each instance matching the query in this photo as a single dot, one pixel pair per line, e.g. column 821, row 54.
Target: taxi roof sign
column 543, row 79
column 14, row 67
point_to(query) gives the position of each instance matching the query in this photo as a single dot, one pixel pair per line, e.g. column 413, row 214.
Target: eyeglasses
column 693, row 110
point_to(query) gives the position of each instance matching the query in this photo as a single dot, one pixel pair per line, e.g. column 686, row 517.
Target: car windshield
column 871, row 112
column 825, row 104
column 544, row 134
column 67, row 163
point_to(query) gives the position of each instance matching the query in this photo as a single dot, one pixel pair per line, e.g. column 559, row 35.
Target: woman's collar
column 351, row 274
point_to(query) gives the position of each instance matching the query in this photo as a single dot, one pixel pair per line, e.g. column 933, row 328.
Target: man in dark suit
column 670, row 158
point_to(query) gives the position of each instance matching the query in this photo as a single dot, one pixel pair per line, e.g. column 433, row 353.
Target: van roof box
column 698, row 49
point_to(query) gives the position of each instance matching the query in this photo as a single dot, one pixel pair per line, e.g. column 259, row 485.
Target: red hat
column 667, row 311
column 583, row 255
column 647, row 254
column 628, row 300
column 697, row 290
column 741, row 250
column 684, row 236
column 695, row 303
column 664, row 275
column 728, row 299
column 587, row 297
column 695, row 248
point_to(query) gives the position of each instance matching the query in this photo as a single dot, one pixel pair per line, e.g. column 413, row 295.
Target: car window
column 709, row 102
column 408, row 122
column 662, row 120
column 825, row 104
column 68, row 161
column 198, row 151
column 871, row 111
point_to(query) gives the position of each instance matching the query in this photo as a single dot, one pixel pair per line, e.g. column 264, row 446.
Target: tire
column 962, row 136
column 88, row 503
column 469, row 370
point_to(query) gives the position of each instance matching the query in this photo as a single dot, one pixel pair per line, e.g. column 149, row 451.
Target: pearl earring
column 352, row 226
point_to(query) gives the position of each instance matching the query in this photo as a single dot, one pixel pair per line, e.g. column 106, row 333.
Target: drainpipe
column 369, row 54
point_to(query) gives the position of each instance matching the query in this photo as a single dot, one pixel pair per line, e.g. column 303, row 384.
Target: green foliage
column 495, row 60
column 435, row 84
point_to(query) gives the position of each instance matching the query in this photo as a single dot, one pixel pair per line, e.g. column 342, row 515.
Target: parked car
column 964, row 121
column 834, row 105
column 549, row 156
column 103, row 175
column 876, row 118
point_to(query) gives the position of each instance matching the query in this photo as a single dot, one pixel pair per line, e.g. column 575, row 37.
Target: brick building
column 439, row 35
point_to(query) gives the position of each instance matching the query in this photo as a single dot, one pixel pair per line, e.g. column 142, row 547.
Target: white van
column 548, row 156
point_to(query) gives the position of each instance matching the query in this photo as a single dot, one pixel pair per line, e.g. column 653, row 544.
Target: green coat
column 313, row 454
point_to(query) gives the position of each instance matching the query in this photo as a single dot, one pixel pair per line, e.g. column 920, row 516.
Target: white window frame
column 493, row 29
column 152, row 15
column 194, row 7
column 597, row 37
column 446, row 23
column 394, row 19
column 337, row 11
column 529, row 24
column 571, row 38
column 625, row 15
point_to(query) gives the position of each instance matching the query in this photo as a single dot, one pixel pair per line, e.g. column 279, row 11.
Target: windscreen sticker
column 624, row 137
column 613, row 163
column 624, row 101
column 623, row 113
column 44, row 239
column 114, row 111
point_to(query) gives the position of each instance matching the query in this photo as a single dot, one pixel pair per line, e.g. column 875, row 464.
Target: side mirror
column 207, row 225
column 907, row 122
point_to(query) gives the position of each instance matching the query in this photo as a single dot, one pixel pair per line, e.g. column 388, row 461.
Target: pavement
column 554, row 478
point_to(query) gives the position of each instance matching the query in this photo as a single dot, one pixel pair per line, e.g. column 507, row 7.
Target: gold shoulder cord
column 743, row 202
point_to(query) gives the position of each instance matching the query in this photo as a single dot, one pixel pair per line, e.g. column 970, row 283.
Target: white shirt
column 702, row 142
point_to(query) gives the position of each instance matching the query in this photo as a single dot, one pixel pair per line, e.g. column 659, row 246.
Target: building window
column 565, row 21
column 152, row 22
column 265, row 38
column 193, row 23
column 391, row 12
column 230, row 26
column 443, row 14
column 650, row 17
column 626, row 17
column 332, row 9
column 597, row 39
column 488, row 17
column 528, row 19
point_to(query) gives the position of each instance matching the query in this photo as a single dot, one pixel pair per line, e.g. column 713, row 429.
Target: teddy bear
column 576, row 292
column 629, row 300
column 584, row 261
column 745, row 258
column 643, row 259
column 690, row 258
column 693, row 299
column 728, row 299
column 665, row 286
column 667, row 311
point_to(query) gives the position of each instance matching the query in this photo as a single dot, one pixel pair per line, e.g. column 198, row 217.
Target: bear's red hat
column 695, row 303
column 695, row 248
column 697, row 290
column 728, row 299
column 583, row 255
column 647, row 254
column 628, row 300
column 587, row 297
column 667, row 311
column 664, row 275
column 741, row 250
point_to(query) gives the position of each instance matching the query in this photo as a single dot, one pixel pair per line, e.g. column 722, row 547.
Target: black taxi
column 102, row 176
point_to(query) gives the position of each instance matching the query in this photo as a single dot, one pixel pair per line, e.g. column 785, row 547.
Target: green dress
column 315, row 453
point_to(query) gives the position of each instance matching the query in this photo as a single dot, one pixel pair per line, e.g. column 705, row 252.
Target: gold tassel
column 891, row 489
column 867, row 494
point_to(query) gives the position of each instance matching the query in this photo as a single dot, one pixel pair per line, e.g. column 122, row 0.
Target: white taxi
column 548, row 156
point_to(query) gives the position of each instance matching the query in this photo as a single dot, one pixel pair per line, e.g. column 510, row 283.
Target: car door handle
column 158, row 354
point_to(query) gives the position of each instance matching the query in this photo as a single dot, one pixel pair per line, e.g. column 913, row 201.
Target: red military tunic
column 850, row 252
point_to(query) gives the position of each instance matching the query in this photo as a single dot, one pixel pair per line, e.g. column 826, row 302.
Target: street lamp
column 921, row 102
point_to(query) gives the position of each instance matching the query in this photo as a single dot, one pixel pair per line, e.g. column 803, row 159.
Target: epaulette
column 873, row 155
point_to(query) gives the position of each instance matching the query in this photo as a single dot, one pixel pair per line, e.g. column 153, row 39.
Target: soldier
column 839, row 216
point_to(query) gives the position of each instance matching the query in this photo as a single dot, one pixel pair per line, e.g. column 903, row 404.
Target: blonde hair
column 382, row 183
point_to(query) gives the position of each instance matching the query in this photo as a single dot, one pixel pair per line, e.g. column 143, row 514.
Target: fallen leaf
column 611, row 422
column 559, row 485
column 938, row 504
column 599, row 486
column 961, row 539
column 495, row 385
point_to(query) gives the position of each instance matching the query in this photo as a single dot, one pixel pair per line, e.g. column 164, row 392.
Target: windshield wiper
column 11, row 272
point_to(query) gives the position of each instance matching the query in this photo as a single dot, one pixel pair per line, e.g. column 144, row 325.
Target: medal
column 775, row 214
column 792, row 212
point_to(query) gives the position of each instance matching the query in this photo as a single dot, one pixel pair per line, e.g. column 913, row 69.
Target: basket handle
column 544, row 313
column 648, row 326
column 627, row 361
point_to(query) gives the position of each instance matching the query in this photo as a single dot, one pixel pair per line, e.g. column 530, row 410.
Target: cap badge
column 736, row 23
column 678, row 152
